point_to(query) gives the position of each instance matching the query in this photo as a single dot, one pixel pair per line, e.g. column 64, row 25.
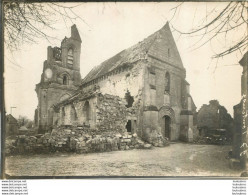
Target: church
column 141, row 90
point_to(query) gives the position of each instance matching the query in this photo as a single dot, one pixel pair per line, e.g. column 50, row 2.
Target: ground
column 178, row 159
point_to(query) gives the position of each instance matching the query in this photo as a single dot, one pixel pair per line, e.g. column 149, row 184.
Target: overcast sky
column 107, row 29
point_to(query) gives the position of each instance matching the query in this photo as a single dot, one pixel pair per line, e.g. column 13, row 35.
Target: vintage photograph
column 152, row 89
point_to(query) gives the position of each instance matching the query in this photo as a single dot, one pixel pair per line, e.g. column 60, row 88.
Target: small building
column 11, row 125
column 23, row 130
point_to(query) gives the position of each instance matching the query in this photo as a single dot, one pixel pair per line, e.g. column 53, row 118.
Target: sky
column 108, row 28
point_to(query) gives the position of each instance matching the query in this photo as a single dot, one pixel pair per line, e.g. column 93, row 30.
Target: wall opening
column 63, row 114
column 167, row 126
column 70, row 57
column 167, row 82
column 86, row 111
column 129, row 99
column 129, row 126
column 73, row 113
column 65, row 80
column 63, row 111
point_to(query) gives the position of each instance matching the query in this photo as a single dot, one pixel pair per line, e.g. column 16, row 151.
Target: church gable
column 164, row 48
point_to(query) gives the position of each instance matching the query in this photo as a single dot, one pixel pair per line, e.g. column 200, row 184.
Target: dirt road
column 178, row 159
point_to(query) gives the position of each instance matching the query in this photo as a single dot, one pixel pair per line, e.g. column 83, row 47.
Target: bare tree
column 26, row 22
column 216, row 24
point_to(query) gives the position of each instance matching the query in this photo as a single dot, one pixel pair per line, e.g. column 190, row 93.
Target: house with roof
column 140, row 90
column 11, row 125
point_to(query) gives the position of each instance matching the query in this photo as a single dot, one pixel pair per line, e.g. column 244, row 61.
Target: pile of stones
column 154, row 137
column 75, row 139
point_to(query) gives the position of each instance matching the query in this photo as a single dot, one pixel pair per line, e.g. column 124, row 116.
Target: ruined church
column 140, row 90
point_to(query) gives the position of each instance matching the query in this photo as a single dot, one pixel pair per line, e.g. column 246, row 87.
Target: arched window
column 73, row 113
column 70, row 57
column 86, row 111
column 63, row 115
column 63, row 112
column 65, row 80
column 167, row 82
column 169, row 54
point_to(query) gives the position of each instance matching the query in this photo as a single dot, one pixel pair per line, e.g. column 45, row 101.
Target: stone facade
column 140, row 90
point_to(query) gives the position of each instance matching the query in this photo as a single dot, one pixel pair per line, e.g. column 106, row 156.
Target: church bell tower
column 59, row 79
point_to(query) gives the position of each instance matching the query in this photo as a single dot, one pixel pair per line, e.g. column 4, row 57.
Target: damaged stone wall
column 103, row 112
column 79, row 112
column 111, row 113
column 117, row 84
column 109, row 108
column 214, row 116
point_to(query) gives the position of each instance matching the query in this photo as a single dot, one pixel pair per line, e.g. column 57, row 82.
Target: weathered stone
column 147, row 146
column 134, row 135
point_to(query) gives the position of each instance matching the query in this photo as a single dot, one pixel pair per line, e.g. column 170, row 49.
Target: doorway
column 129, row 126
column 167, row 127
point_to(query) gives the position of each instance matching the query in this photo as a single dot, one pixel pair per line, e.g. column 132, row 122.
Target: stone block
column 147, row 146
column 134, row 135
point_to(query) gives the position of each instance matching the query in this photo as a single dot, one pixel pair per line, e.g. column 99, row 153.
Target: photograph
column 125, row 90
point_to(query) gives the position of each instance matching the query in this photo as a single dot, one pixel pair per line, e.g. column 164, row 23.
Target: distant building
column 142, row 89
column 11, row 125
column 213, row 117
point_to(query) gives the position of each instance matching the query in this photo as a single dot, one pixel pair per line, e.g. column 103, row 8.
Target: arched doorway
column 87, row 112
column 167, row 126
column 65, row 80
column 129, row 126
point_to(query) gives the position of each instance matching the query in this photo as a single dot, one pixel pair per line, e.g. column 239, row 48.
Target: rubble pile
column 154, row 137
column 75, row 139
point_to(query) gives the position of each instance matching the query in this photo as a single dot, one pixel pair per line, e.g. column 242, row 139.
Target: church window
column 65, row 80
column 70, row 57
column 86, row 111
column 129, row 126
column 167, row 82
column 169, row 54
column 73, row 113
column 63, row 112
column 152, row 78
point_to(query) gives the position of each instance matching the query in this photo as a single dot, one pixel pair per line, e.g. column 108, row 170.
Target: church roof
column 149, row 46
column 78, row 95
